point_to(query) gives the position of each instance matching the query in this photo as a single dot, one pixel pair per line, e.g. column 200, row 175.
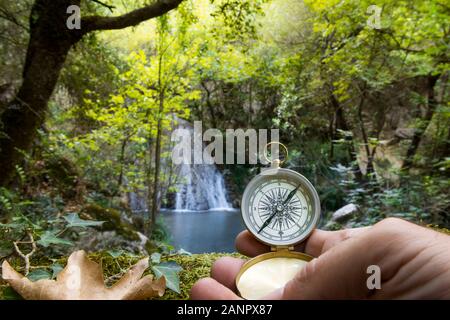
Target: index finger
column 318, row 242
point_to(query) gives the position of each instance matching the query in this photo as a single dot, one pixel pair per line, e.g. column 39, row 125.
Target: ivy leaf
column 155, row 258
column 39, row 274
column 56, row 268
column 184, row 252
column 170, row 271
column 49, row 238
column 115, row 253
column 10, row 225
column 73, row 220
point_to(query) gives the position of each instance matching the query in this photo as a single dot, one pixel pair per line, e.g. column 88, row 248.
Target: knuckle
column 390, row 228
column 391, row 224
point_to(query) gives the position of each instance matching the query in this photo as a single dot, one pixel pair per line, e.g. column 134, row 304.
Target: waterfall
column 200, row 186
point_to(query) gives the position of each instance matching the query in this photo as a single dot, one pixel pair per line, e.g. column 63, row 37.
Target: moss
column 64, row 174
column 194, row 266
column 112, row 218
column 436, row 228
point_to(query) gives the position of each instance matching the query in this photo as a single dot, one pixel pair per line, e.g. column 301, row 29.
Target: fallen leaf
column 82, row 279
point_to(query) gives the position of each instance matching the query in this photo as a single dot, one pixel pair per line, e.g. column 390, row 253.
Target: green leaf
column 56, row 269
column 39, row 274
column 184, row 252
column 115, row 253
column 73, row 220
column 170, row 271
column 6, row 248
column 49, row 238
column 10, row 294
column 155, row 258
column 11, row 225
column 166, row 248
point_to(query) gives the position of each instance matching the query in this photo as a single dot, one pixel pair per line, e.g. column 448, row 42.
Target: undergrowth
column 195, row 267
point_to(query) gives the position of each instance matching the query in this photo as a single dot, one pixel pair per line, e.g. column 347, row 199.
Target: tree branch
column 110, row 7
column 132, row 18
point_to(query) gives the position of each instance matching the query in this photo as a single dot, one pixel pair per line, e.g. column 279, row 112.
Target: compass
column 280, row 208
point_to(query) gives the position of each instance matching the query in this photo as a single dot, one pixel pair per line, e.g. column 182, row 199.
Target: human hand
column 414, row 263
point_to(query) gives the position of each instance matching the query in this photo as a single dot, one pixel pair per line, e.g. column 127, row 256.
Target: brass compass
column 280, row 208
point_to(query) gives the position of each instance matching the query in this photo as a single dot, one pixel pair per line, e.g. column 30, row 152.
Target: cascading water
column 200, row 186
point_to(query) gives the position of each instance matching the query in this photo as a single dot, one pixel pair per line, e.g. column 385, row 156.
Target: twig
column 5, row 14
column 117, row 276
column 26, row 257
column 110, row 7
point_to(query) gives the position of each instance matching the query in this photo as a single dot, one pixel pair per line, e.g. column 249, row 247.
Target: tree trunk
column 48, row 46
column 155, row 202
column 209, row 105
column 425, row 121
column 121, row 163
column 340, row 123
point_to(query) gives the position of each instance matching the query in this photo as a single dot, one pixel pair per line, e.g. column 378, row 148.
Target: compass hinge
column 280, row 248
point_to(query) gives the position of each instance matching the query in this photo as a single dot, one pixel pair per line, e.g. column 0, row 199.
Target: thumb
column 339, row 273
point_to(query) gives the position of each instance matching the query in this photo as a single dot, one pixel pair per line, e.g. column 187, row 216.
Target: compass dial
column 280, row 207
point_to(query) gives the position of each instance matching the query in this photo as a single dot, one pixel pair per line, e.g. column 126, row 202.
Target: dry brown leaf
column 82, row 279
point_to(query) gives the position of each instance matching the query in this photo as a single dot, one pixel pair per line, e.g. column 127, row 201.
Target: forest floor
column 195, row 267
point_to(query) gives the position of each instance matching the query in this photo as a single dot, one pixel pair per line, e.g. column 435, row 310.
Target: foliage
column 418, row 199
column 194, row 267
column 170, row 272
column 38, row 219
column 364, row 111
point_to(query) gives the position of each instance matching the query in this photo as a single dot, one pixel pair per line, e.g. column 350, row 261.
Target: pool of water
column 203, row 231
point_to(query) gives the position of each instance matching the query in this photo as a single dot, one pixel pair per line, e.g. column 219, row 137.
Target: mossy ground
column 195, row 267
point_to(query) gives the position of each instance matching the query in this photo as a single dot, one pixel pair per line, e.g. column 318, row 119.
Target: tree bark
column 425, row 121
column 49, row 44
column 48, row 47
column 155, row 202
column 209, row 105
column 340, row 123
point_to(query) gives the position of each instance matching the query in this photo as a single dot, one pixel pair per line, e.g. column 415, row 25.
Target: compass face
column 280, row 207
